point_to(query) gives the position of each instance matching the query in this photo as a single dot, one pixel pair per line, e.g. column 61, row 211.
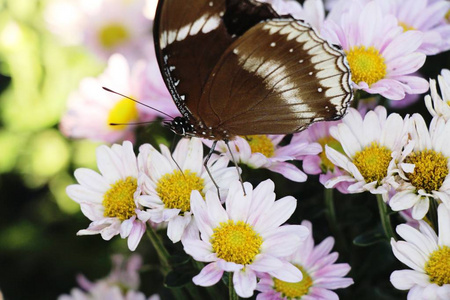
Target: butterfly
column 237, row 68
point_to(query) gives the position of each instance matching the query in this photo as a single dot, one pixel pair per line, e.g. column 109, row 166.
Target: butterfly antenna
column 117, row 93
column 236, row 165
column 205, row 164
column 133, row 123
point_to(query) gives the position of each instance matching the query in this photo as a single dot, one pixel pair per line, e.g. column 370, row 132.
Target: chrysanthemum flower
column 423, row 172
column 428, row 255
column 262, row 151
column 121, row 284
column 439, row 105
column 319, row 163
column 423, row 16
column 372, row 147
column 168, row 189
column 320, row 273
column 90, row 109
column 110, row 199
column 245, row 237
column 104, row 26
column 381, row 56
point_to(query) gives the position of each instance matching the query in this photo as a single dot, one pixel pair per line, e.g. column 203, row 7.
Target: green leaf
column 179, row 277
column 369, row 238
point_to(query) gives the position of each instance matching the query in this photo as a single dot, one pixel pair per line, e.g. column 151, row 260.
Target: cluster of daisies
column 233, row 227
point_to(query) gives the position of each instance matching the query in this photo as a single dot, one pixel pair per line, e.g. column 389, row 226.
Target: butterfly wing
column 277, row 78
column 191, row 36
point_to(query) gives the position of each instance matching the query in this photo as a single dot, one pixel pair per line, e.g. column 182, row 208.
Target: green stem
column 329, row 203
column 162, row 252
column 432, row 214
column 335, row 228
column 231, row 291
column 385, row 219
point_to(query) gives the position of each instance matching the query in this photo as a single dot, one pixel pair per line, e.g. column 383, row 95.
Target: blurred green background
column 40, row 253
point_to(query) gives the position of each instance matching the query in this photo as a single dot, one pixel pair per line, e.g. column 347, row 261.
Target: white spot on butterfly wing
column 273, row 44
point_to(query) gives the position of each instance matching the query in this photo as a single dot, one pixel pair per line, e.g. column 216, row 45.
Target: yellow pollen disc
column 118, row 201
column 294, row 290
column 261, row 144
column 373, row 162
column 326, row 164
column 124, row 111
column 447, row 16
column 112, row 35
column 405, row 26
column 430, row 170
column 366, row 64
column 236, row 242
column 175, row 189
column 438, row 266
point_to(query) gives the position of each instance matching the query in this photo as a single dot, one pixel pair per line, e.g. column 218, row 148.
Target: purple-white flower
column 438, row 105
column 423, row 170
column 104, row 26
column 372, row 147
column 245, row 237
column 424, row 16
column 121, row 284
column 381, row 56
column 90, row 109
column 319, row 163
column 168, row 179
column 320, row 273
column 111, row 199
column 427, row 254
column 263, row 151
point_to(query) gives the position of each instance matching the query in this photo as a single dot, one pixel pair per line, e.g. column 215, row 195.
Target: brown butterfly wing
column 191, row 36
column 277, row 78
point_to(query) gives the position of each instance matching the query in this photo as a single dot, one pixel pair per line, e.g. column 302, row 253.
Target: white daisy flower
column 423, row 172
column 245, row 238
column 104, row 26
column 372, row 147
column 428, row 255
column 168, row 189
column 110, row 199
column 439, row 105
column 320, row 273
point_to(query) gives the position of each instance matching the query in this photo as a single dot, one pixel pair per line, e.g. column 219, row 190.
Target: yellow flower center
column 326, row 164
column 112, row 35
column 405, row 26
column 294, row 290
column 123, row 112
column 430, row 170
column 261, row 144
column 175, row 189
column 118, row 201
column 438, row 266
column 373, row 162
column 367, row 64
column 447, row 16
column 236, row 242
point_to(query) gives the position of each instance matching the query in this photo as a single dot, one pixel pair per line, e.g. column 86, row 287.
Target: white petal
column 208, row 276
column 244, row 282
column 406, row 279
column 176, row 227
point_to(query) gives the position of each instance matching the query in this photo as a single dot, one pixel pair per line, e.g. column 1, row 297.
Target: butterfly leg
column 205, row 163
column 236, row 165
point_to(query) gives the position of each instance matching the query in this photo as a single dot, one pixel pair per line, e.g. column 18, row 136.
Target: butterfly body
column 236, row 67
